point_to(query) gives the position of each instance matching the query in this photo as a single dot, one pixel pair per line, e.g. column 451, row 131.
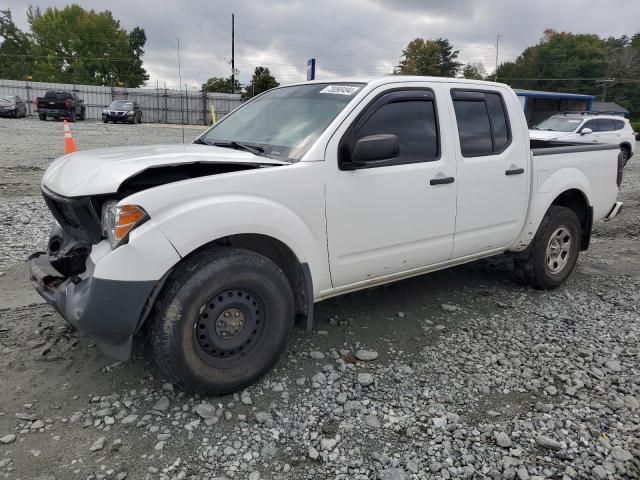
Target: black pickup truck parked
column 59, row 104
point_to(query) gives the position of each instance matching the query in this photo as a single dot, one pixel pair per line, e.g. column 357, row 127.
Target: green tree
column 15, row 49
column 74, row 45
column 474, row 71
column 429, row 57
column 261, row 81
column 561, row 61
column 221, row 85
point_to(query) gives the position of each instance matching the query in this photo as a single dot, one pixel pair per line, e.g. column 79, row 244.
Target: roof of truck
column 382, row 80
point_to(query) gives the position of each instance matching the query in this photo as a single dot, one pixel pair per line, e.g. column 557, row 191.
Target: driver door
column 398, row 214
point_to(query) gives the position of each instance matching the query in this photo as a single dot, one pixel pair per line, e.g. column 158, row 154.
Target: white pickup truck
column 303, row 193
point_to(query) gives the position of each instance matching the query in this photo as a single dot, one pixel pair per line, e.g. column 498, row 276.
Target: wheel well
column 297, row 273
column 576, row 200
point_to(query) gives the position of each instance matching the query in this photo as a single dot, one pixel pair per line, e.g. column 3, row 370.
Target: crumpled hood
column 94, row 172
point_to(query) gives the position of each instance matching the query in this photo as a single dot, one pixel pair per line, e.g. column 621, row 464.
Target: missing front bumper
column 107, row 311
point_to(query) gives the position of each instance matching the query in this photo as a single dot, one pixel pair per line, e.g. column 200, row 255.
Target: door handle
column 515, row 171
column 441, row 181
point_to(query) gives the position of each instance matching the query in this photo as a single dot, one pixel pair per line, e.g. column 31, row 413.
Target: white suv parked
column 588, row 128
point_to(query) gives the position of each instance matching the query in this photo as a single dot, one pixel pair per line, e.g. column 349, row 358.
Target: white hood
column 548, row 135
column 94, row 172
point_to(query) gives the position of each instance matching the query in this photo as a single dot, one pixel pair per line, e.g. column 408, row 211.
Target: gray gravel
column 458, row 374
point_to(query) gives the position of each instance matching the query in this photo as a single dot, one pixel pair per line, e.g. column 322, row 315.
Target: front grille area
column 78, row 216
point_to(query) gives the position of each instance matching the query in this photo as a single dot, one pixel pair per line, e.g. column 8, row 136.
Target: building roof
column 540, row 94
column 608, row 107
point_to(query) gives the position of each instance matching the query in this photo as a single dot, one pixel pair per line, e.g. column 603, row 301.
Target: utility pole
column 179, row 84
column 495, row 72
column 233, row 53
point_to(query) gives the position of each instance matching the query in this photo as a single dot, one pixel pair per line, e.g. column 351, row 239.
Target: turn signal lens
column 119, row 220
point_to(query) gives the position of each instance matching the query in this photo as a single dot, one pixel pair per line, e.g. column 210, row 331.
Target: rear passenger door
column 493, row 172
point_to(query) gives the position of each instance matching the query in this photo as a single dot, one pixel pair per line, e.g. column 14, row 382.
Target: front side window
column 483, row 124
column 412, row 119
column 284, row 122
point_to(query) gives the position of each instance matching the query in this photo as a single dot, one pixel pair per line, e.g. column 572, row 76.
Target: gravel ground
column 458, row 374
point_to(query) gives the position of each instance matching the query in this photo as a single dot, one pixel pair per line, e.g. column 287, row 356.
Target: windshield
column 121, row 104
column 559, row 124
column 6, row 98
column 285, row 121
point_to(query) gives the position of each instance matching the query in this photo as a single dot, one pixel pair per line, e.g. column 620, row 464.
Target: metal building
column 538, row 105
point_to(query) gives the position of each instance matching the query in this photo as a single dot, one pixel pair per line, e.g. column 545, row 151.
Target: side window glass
column 606, row 125
column 483, row 124
column 473, row 127
column 413, row 121
column 592, row 125
column 498, row 117
column 618, row 124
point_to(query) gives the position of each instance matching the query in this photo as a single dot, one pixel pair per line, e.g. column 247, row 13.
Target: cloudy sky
column 347, row 37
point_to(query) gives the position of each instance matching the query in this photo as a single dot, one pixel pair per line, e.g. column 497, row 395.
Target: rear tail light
column 67, row 103
column 37, row 102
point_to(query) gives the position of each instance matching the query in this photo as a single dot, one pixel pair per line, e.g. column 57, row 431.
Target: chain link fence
column 159, row 105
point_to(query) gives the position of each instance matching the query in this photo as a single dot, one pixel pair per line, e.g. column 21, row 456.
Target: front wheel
column 553, row 254
column 42, row 116
column 222, row 321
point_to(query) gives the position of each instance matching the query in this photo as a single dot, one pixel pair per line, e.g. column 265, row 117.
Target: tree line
column 607, row 68
column 74, row 45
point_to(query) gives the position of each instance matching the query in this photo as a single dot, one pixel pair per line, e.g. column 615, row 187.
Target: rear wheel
column 42, row 116
column 83, row 114
column 553, row 254
column 222, row 321
column 626, row 154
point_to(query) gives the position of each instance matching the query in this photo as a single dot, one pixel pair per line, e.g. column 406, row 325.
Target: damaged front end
column 108, row 311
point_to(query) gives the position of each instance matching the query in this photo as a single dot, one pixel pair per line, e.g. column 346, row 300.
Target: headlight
column 104, row 112
column 119, row 220
column 130, row 113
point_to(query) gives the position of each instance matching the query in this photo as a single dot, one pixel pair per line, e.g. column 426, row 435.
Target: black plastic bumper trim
column 107, row 311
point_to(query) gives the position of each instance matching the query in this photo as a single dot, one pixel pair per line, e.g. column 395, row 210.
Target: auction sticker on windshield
column 340, row 90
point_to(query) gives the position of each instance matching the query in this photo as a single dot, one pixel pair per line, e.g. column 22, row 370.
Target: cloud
column 347, row 37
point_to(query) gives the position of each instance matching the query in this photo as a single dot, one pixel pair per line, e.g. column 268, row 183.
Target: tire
column 83, row 114
column 42, row 116
column 626, row 154
column 72, row 117
column 559, row 233
column 189, row 327
column 105, row 120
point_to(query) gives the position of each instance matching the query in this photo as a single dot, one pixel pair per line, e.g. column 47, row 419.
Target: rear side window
column 483, row 123
column 618, row 124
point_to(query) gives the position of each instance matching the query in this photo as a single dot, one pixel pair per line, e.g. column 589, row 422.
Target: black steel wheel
column 228, row 326
column 222, row 320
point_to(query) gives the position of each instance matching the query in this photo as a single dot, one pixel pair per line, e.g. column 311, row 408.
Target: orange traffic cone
column 69, row 144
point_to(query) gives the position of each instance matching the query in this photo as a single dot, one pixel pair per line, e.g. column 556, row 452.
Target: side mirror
column 375, row 147
column 586, row 131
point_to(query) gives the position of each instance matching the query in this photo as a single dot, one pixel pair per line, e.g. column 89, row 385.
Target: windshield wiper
column 200, row 141
column 256, row 150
